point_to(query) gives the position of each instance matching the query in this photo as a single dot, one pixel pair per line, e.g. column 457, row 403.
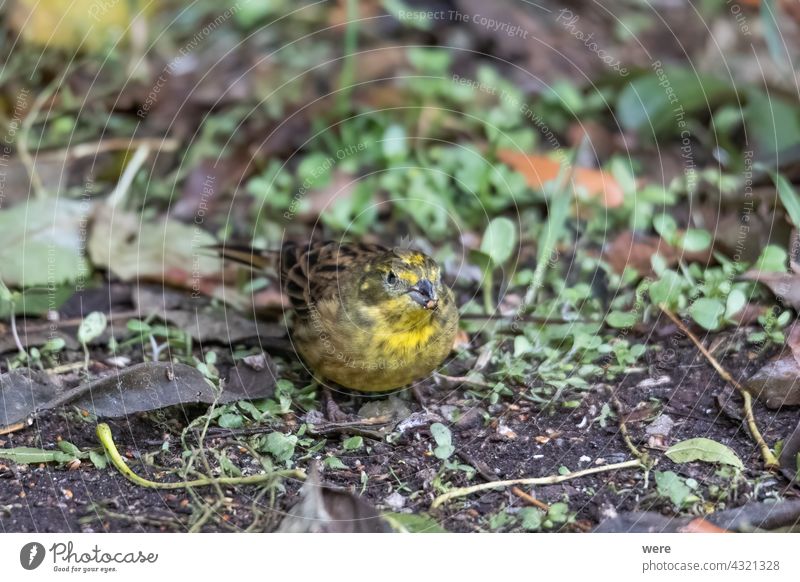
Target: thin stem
column 551, row 480
column 347, row 77
column 767, row 455
column 623, row 431
column 15, row 334
column 125, row 181
column 488, row 289
column 107, row 440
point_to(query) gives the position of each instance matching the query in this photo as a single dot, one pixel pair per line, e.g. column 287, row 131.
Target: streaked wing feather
column 314, row 272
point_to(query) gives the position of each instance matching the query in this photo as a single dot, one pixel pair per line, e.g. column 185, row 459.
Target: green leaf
column 668, row 288
column 444, row 439
column 228, row 468
column 665, row 226
column 5, row 293
column 280, row 446
column 70, row 449
column 315, row 171
column 413, row 523
column 98, row 459
column 395, row 144
column 649, row 102
column 522, row 346
column 31, row 455
column 499, row 240
column 735, row 303
column 772, row 34
column 621, row 319
column 703, row 449
column 231, row 420
column 707, row 312
column 558, row 513
column 695, row 240
column 789, row 198
column 353, row 443
column 531, row 518
column 434, row 61
column 671, row 486
column 92, row 326
column 772, row 260
column 54, row 345
column 334, row 463
column 773, row 122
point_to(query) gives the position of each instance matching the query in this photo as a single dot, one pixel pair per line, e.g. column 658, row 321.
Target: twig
column 13, row 427
column 63, row 368
column 482, row 468
column 463, row 380
column 107, row 440
column 128, row 175
column 623, row 431
column 551, row 480
column 122, row 314
column 769, row 458
column 15, row 334
column 530, row 499
column 521, row 319
column 113, row 144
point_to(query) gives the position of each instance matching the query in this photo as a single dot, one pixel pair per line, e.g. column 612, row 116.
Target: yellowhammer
column 366, row 317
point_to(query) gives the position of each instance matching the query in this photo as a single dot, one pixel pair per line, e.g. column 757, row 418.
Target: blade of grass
column 347, row 77
column 554, row 229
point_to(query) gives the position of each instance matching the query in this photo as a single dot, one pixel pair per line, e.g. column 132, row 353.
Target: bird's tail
column 256, row 259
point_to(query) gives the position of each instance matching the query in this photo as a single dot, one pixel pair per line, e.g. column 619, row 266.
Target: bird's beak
column 425, row 294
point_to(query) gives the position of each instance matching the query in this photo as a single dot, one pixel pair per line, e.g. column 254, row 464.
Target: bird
column 365, row 316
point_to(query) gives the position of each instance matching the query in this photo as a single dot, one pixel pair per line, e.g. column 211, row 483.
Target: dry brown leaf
column 785, row 286
column 538, row 170
column 635, row 250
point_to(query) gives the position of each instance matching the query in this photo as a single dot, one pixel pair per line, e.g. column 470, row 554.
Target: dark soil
column 533, row 442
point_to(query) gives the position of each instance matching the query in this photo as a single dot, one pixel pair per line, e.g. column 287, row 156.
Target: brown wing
column 314, row 271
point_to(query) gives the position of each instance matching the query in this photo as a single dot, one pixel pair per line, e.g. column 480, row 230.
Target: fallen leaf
column 200, row 320
column 703, row 449
column 323, row 509
column 538, row 170
column 140, row 388
column 651, row 522
column 41, row 244
column 252, row 375
column 163, row 250
column 635, row 250
column 785, row 286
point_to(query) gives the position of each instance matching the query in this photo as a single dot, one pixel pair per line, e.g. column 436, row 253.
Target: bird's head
column 403, row 280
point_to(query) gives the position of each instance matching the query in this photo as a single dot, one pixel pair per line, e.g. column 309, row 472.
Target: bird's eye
column 391, row 278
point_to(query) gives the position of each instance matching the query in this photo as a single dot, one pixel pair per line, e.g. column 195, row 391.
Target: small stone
column 118, row 361
column 661, row 426
column 777, row 383
column 392, row 407
column 472, row 418
column 257, row 361
column 395, row 501
column 506, row 432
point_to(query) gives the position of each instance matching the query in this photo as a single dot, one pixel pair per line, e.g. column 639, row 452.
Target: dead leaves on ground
column 140, row 388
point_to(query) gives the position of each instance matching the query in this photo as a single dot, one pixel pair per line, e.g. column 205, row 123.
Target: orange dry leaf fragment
column 538, row 170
